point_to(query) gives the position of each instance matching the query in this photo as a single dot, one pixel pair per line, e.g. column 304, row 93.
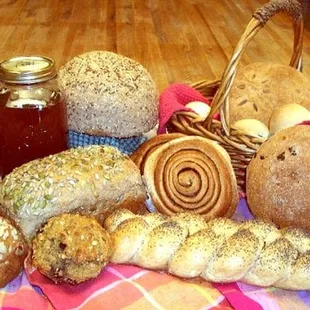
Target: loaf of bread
column 13, row 251
column 194, row 174
column 71, row 248
column 278, row 178
column 108, row 94
column 253, row 252
column 93, row 180
column 261, row 87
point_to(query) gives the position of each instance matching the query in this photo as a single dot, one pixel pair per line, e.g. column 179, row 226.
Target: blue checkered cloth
column 125, row 145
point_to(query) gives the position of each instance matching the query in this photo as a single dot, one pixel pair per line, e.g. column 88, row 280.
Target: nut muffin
column 71, row 248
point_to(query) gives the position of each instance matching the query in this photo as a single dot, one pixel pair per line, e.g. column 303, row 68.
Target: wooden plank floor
column 176, row 40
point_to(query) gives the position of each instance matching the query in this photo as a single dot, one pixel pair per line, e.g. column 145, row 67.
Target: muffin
column 278, row 178
column 71, row 248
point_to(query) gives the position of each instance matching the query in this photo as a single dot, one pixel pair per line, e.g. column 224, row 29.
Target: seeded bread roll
column 92, row 180
column 108, row 95
column 13, row 251
column 71, row 248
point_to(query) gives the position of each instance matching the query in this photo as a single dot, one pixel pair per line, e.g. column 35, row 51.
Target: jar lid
column 27, row 69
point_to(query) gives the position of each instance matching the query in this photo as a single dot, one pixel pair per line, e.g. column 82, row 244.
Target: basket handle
column 260, row 17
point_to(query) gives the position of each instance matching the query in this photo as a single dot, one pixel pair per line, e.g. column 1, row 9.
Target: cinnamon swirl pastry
column 145, row 149
column 194, row 174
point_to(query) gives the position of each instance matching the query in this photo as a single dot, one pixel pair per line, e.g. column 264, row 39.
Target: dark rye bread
column 260, row 87
column 108, row 95
column 93, row 180
column 278, row 178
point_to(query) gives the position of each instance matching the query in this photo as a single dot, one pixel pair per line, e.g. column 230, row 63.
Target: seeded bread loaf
column 94, row 179
column 13, row 251
column 108, row 95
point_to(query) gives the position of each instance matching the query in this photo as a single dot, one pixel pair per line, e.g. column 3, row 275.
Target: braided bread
column 254, row 252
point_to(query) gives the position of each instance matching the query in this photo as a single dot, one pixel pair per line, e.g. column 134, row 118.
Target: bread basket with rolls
column 229, row 97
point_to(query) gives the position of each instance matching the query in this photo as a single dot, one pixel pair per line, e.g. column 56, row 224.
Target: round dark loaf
column 93, row 180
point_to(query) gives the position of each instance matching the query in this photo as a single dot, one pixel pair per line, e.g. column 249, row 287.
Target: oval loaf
column 93, row 180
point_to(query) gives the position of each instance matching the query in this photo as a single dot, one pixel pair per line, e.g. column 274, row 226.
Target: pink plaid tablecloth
column 130, row 287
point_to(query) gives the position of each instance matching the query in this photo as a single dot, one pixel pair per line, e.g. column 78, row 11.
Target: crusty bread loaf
column 108, row 95
column 254, row 252
column 260, row 87
column 71, row 248
column 194, row 174
column 13, row 251
column 278, row 178
column 94, row 179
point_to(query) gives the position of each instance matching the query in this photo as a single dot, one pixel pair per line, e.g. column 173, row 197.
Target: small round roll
column 71, row 248
column 13, row 251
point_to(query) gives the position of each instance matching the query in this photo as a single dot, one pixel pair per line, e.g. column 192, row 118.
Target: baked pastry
column 140, row 155
column 277, row 184
column 254, row 252
column 13, row 251
column 71, row 248
column 108, row 95
column 260, row 87
column 194, row 174
column 93, row 180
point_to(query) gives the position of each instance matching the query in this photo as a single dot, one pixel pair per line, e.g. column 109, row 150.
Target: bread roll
column 92, row 180
column 278, row 178
column 13, row 251
column 261, row 87
column 191, row 174
column 254, row 252
column 108, row 95
column 253, row 128
column 287, row 115
column 71, row 248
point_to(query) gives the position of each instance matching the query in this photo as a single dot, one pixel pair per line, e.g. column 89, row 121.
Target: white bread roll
column 288, row 115
column 108, row 95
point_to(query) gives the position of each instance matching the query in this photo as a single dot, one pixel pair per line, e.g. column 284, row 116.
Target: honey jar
column 33, row 118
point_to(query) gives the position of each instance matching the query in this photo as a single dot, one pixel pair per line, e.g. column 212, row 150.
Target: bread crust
column 108, row 95
column 91, row 180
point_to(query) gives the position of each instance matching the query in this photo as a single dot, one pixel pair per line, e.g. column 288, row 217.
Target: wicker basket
column 240, row 146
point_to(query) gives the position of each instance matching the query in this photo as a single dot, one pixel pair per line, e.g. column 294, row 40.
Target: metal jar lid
column 27, row 69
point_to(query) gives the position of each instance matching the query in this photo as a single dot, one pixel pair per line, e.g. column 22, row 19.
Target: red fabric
column 173, row 99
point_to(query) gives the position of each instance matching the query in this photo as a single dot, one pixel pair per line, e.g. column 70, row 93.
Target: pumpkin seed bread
column 92, row 180
column 71, row 248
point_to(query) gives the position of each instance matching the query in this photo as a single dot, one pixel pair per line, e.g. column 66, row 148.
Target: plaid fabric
column 133, row 288
column 125, row 145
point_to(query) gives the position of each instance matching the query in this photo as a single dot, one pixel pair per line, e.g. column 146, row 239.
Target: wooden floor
column 176, row 40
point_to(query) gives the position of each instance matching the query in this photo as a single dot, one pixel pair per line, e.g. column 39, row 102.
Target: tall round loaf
column 92, row 180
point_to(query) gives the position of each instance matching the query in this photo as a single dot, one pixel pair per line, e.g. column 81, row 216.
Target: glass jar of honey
column 33, row 118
